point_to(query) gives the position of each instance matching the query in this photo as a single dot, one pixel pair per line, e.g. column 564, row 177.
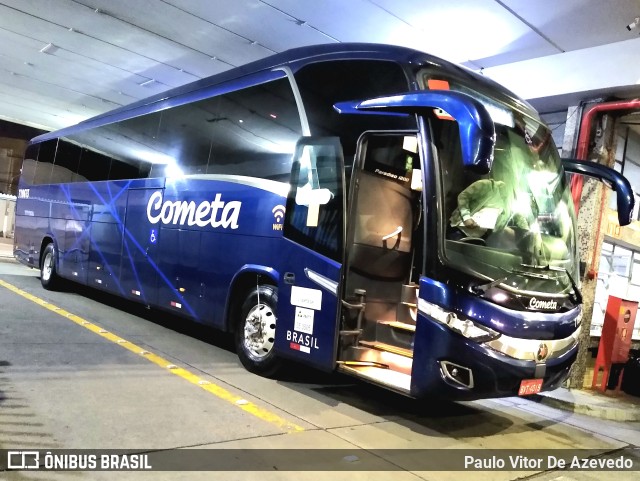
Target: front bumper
column 494, row 374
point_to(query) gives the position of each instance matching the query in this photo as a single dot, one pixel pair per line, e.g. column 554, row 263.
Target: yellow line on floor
column 208, row 386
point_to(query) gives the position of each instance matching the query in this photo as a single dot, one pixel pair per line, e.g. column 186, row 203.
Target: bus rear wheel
column 256, row 330
column 49, row 277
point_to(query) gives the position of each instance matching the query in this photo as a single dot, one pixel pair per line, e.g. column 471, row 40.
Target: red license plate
column 530, row 386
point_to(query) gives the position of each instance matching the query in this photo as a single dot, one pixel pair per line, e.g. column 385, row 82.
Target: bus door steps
column 388, row 348
column 397, row 381
column 395, row 333
column 403, row 326
column 379, row 355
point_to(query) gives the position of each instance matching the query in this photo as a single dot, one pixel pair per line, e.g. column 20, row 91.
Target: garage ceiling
column 62, row 61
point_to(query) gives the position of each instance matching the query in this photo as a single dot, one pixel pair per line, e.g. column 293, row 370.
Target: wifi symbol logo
column 278, row 213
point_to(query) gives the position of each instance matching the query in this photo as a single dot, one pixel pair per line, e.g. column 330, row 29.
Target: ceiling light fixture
column 48, row 48
column 146, row 82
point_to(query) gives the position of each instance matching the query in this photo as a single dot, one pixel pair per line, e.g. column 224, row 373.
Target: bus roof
column 294, row 59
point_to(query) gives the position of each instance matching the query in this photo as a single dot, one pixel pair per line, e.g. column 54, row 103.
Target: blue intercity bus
column 364, row 208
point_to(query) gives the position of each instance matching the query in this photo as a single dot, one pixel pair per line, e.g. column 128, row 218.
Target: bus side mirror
column 612, row 179
column 477, row 130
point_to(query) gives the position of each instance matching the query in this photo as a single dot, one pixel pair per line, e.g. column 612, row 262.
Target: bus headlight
column 470, row 329
column 465, row 327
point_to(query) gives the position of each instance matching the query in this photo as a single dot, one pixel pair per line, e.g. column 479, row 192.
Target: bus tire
column 256, row 329
column 49, row 277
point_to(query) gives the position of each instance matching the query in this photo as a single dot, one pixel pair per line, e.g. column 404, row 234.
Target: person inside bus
column 484, row 216
column 483, row 207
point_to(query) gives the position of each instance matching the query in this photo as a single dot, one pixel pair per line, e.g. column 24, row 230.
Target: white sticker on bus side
column 304, row 320
column 309, row 298
column 313, row 213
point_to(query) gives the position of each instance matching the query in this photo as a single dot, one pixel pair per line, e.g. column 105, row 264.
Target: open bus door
column 385, row 241
column 311, row 268
column 385, row 251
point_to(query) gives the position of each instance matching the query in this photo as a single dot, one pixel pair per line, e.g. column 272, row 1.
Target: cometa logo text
column 215, row 213
column 540, row 304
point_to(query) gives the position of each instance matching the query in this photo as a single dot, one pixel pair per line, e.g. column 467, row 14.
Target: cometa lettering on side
column 215, row 213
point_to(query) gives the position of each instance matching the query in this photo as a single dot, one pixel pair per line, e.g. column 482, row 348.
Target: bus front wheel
column 256, row 331
column 48, row 269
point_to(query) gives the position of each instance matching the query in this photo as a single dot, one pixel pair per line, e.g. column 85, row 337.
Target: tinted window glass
column 323, row 84
column 315, row 207
column 136, row 140
column 93, row 166
column 29, row 163
column 65, row 167
column 127, row 170
column 46, row 156
column 393, row 157
column 129, row 145
column 247, row 132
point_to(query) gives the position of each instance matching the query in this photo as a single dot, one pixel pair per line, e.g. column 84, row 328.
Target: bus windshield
column 516, row 225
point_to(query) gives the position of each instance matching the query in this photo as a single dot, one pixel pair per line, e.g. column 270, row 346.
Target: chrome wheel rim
column 260, row 331
column 47, row 266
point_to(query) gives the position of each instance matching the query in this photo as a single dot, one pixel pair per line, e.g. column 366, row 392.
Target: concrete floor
column 64, row 386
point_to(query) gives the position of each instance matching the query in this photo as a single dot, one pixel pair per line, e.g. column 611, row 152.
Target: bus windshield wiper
column 577, row 295
column 482, row 288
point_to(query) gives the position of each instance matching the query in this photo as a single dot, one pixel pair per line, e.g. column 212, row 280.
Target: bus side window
column 314, row 215
column 122, row 150
column 322, row 84
column 93, row 166
column 67, row 161
column 125, row 170
column 44, row 165
column 251, row 131
column 28, row 171
column 181, row 138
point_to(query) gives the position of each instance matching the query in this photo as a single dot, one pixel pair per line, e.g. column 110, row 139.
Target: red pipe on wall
column 583, row 149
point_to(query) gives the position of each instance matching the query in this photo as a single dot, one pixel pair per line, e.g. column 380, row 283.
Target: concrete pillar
column 11, row 154
column 571, row 131
column 591, row 234
column 7, row 216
